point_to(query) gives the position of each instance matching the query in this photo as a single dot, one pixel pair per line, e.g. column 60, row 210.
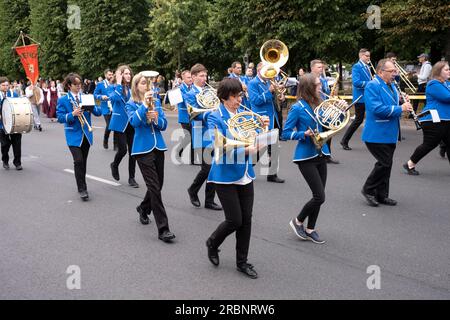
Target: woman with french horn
column 148, row 119
column 77, row 128
column 233, row 176
column 311, row 161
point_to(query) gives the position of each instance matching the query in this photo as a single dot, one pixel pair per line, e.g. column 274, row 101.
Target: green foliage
column 49, row 28
column 413, row 26
column 14, row 15
column 112, row 33
column 165, row 35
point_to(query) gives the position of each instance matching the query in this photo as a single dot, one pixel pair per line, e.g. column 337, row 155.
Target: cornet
column 81, row 117
column 149, row 102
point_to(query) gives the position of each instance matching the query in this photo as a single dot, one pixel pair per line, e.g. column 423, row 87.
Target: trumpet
column 81, row 117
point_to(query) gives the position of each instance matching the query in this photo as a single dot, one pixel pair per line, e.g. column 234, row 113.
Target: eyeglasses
column 239, row 95
column 388, row 71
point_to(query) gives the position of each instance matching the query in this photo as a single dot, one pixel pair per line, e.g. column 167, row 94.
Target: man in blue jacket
column 361, row 76
column 381, row 131
column 101, row 94
column 261, row 95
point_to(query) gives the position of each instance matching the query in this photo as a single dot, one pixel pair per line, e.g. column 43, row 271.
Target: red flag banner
column 29, row 58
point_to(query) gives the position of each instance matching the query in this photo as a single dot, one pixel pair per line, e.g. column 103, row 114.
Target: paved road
column 45, row 228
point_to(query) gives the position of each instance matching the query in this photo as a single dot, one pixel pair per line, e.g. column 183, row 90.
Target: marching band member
column 148, row 150
column 8, row 140
column 311, row 162
column 201, row 141
column 361, row 75
column 101, row 94
column 183, row 116
column 119, row 94
column 261, row 95
column 317, row 68
column 233, row 181
column 381, row 131
column 78, row 136
column 36, row 97
column 438, row 98
column 236, row 68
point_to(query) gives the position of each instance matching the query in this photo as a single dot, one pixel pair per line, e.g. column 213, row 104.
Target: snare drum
column 17, row 116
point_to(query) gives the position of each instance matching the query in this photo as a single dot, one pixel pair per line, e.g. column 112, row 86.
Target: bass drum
column 17, row 116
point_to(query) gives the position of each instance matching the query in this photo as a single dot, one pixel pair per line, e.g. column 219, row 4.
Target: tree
column 412, row 26
column 14, row 15
column 178, row 29
column 112, row 33
column 311, row 29
column 49, row 28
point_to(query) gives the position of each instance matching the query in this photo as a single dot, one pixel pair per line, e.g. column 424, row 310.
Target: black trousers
column 107, row 131
column 14, row 140
column 433, row 134
column 202, row 176
column 187, row 140
column 360, row 110
column 80, row 155
column 237, row 203
column 377, row 184
column 420, row 90
column 152, row 168
column 315, row 173
column 123, row 140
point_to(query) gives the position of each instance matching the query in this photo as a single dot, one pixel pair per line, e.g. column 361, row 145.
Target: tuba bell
column 274, row 54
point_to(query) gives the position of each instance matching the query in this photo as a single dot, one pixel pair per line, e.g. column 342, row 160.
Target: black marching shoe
column 194, row 199
column 213, row 206
column 39, row 128
column 166, row 236
column 247, row 269
column 412, row 171
column 442, row 152
column 387, row 201
column 105, row 144
column 274, row 178
column 371, row 200
column 345, row 146
column 19, row 167
column 143, row 217
column 84, row 195
column 213, row 253
column 132, row 183
column 115, row 171
column 5, row 166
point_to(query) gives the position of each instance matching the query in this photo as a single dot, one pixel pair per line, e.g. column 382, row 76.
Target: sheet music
column 87, row 100
column 175, row 96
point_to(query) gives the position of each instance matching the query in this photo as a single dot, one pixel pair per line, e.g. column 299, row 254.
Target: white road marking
column 94, row 127
column 111, row 183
